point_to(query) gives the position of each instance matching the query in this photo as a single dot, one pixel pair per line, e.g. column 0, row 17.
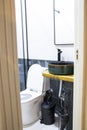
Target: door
column 10, row 110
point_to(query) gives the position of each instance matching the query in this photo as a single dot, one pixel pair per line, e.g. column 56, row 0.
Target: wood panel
column 84, row 110
column 78, row 69
column 10, row 114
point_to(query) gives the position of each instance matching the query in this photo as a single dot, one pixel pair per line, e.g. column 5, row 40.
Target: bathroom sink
column 61, row 68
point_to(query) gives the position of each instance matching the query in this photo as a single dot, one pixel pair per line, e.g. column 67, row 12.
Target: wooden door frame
column 10, row 107
column 84, row 98
column 80, row 84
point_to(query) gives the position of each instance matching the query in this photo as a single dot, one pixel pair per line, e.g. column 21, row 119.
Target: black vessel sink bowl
column 61, row 68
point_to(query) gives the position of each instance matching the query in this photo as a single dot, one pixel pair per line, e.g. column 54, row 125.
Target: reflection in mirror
column 63, row 11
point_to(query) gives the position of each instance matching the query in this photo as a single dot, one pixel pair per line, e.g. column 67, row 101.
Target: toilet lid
column 25, row 96
column 35, row 78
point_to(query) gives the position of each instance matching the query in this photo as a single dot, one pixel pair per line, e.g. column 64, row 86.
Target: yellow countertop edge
column 69, row 78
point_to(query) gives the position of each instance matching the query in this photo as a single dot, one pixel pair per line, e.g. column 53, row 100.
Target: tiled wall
column 68, row 88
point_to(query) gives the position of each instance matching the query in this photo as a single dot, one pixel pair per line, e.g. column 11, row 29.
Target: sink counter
column 69, row 78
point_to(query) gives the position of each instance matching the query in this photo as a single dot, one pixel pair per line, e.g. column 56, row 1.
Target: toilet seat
column 25, row 96
column 28, row 95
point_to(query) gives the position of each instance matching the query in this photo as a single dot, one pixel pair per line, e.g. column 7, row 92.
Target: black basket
column 47, row 113
column 48, row 109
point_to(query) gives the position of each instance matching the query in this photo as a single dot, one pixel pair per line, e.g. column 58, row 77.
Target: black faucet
column 59, row 54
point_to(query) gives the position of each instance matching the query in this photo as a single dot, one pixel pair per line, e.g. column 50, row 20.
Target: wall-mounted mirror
column 63, row 21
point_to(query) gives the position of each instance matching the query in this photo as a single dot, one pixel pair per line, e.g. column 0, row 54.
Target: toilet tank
column 35, row 78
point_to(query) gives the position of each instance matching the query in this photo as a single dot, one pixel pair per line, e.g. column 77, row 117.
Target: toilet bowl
column 31, row 97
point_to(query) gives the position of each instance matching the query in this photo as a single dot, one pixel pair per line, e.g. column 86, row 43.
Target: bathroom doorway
column 78, row 53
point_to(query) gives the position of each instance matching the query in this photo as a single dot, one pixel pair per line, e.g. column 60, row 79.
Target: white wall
column 19, row 28
column 68, row 52
column 40, row 31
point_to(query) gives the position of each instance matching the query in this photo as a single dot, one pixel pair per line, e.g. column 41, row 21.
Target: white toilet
column 31, row 97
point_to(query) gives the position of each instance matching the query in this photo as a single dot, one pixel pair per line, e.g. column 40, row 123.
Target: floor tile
column 38, row 126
